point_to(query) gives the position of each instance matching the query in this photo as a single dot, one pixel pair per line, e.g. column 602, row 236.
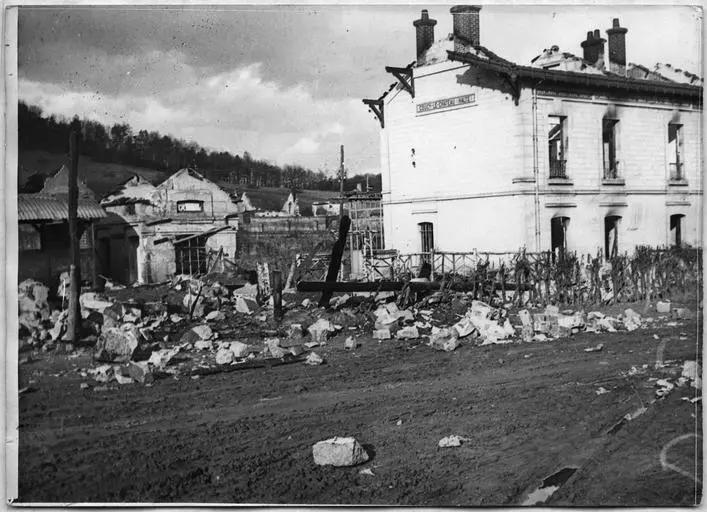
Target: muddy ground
column 526, row 410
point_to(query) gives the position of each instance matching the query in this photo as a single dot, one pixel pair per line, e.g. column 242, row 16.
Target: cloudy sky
column 285, row 83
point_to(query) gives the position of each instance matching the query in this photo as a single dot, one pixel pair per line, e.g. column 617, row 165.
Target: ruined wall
column 278, row 240
column 187, row 185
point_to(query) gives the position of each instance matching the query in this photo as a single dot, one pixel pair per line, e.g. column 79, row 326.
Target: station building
column 583, row 153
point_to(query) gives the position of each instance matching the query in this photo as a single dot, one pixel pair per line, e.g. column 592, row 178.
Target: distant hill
column 103, row 178
column 100, row 177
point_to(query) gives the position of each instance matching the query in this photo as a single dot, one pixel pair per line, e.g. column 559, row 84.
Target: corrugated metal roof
column 49, row 207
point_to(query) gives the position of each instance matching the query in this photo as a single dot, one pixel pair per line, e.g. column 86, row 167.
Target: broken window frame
column 609, row 136
column 191, row 256
column 675, row 147
column 557, row 146
column 187, row 202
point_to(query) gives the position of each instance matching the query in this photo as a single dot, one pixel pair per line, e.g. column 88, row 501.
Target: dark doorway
column 611, row 235
column 558, row 235
column 676, row 230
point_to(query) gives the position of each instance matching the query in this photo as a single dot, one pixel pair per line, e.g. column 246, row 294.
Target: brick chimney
column 617, row 48
column 425, row 33
column 594, row 48
column 466, row 25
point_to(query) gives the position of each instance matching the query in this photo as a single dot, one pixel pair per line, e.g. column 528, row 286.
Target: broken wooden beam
column 337, row 253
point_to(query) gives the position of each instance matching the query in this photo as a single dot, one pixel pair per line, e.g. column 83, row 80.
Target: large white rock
column 663, row 306
column 320, row 330
column 339, row 451
column 224, row 356
column 239, row 349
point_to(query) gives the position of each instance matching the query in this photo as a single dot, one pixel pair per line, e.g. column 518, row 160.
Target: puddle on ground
column 548, row 487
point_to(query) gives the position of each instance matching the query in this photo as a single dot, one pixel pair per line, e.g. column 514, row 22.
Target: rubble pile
column 194, row 326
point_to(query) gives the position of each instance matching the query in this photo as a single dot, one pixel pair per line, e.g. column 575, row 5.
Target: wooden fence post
column 277, row 294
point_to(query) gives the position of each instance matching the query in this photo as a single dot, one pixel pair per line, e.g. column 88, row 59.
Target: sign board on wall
column 430, row 107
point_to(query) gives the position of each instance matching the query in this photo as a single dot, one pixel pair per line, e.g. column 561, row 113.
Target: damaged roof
column 136, row 190
column 604, row 79
column 42, row 206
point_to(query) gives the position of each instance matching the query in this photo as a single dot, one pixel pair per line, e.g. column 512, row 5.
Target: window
column 427, row 242
column 557, row 146
column 676, row 230
column 130, row 209
column 675, row 151
column 558, row 235
column 611, row 235
column 190, row 256
column 29, row 238
column 190, row 206
column 611, row 164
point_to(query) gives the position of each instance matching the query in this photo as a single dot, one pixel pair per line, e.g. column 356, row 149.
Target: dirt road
column 527, row 411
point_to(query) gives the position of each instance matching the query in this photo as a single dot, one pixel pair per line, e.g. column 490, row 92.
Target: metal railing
column 676, row 173
column 611, row 170
column 558, row 168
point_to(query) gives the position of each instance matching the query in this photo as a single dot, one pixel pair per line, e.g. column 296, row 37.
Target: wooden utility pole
column 73, row 324
column 342, row 176
column 277, row 294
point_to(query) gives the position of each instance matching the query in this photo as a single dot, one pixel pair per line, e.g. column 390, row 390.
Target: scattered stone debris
column 314, row 359
column 451, row 441
column 339, row 451
column 598, row 348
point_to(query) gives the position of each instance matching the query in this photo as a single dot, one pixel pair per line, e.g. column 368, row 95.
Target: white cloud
column 236, row 111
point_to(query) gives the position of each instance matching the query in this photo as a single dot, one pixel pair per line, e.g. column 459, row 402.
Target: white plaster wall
column 468, row 162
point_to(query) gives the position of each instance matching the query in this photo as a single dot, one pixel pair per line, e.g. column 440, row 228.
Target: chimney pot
column 617, row 47
column 466, row 26
column 424, row 35
column 594, row 48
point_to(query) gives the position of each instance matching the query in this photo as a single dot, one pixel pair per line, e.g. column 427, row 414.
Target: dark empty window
column 675, row 151
column 611, row 235
column 557, row 146
column 427, row 241
column 130, row 209
column 611, row 163
column 29, row 238
column 676, row 230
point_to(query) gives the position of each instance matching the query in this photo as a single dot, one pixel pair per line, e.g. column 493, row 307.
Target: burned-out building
column 568, row 152
column 154, row 232
column 43, row 231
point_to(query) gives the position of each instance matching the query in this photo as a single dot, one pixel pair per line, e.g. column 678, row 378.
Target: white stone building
column 585, row 153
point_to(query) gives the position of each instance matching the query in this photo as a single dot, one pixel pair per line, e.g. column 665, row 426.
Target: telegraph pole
column 342, row 176
column 74, row 318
